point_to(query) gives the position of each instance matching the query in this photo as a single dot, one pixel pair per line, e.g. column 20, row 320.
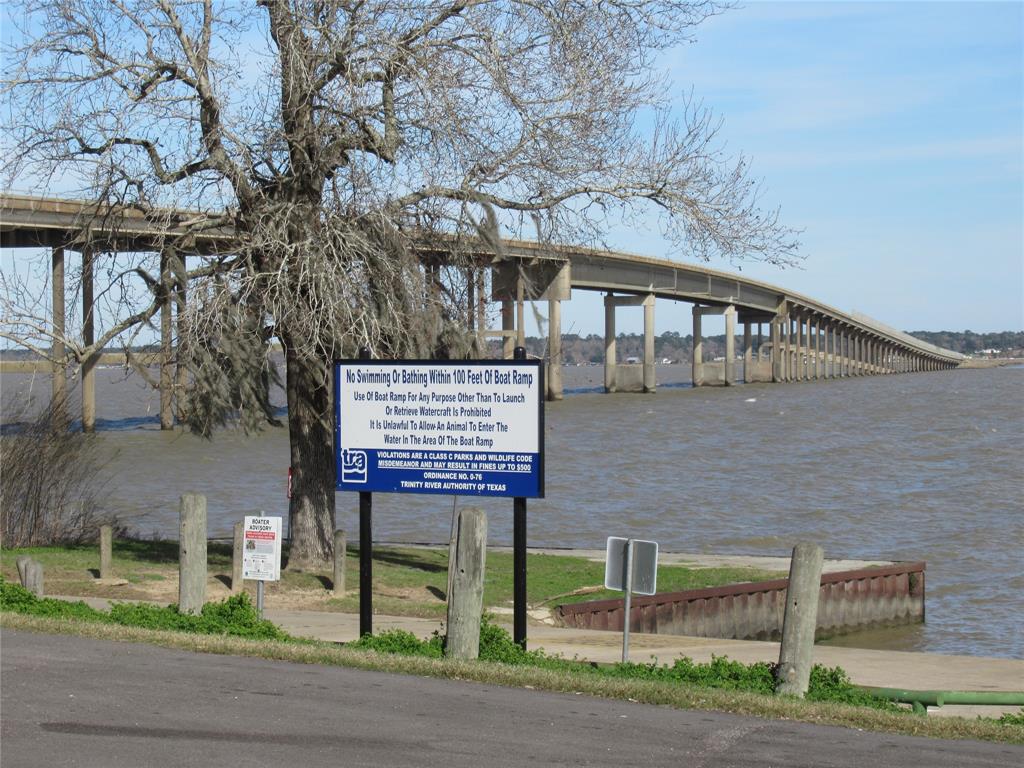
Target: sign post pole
column 519, row 571
column 365, row 563
column 259, row 598
column 519, row 556
column 629, row 596
column 365, row 551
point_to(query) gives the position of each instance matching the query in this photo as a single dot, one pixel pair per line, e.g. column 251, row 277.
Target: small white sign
column 261, row 548
column 644, row 579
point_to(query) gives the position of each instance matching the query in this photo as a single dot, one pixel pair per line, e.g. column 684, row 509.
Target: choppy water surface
column 919, row 467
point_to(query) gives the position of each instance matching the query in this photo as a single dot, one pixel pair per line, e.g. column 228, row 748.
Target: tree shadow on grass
column 406, row 560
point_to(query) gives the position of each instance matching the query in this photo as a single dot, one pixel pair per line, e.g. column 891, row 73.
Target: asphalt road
column 69, row 701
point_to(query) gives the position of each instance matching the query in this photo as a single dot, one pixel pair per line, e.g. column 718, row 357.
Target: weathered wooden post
column 237, row 540
column 106, row 552
column 34, row 577
column 340, row 545
column 22, row 562
column 800, row 620
column 466, row 576
column 192, row 553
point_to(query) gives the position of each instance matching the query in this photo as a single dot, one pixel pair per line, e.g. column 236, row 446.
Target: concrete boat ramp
column 889, row 669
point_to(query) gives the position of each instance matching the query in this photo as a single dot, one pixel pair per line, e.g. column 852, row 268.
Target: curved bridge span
column 786, row 336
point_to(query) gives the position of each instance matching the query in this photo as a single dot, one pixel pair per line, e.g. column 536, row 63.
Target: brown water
column 918, row 467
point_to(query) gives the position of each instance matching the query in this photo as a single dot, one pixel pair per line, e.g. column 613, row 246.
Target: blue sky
column 891, row 134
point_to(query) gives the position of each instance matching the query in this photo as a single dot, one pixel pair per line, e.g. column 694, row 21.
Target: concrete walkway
column 890, row 669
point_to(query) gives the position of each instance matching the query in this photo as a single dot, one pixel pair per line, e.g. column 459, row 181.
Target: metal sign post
column 519, row 555
column 630, row 565
column 626, row 619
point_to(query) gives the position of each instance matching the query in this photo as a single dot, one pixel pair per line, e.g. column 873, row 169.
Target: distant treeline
column 1008, row 343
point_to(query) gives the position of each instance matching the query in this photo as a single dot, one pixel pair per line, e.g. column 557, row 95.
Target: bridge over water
column 808, row 340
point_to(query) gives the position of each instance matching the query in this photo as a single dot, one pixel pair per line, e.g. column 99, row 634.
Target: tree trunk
column 310, row 435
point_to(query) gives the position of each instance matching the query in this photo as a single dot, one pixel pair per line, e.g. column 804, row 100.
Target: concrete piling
column 191, row 553
column 466, row 576
column 800, row 620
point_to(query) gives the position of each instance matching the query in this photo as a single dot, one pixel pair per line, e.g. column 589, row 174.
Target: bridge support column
column 58, row 380
column 554, row 349
column 748, row 351
column 650, row 381
column 788, row 346
column 520, row 312
column 88, row 338
column 647, row 381
column 697, row 355
column 798, row 357
column 730, row 346
column 609, row 343
column 181, row 299
column 831, row 331
column 775, row 328
column 508, row 325
column 817, row 349
column 807, row 369
column 166, row 374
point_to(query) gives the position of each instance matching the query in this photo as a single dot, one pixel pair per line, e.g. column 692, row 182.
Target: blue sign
column 472, row 428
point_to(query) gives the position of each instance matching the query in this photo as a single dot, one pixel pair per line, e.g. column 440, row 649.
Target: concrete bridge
column 807, row 340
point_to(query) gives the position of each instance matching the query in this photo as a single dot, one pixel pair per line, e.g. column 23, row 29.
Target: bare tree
column 334, row 136
column 51, row 481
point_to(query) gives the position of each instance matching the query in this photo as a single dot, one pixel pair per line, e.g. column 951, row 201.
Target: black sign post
column 365, row 551
column 519, row 556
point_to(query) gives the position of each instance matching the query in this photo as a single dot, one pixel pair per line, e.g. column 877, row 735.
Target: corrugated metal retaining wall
column 848, row 601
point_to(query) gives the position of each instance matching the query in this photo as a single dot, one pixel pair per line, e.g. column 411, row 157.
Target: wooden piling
column 192, row 553
column 340, row 547
column 237, row 540
column 800, row 620
column 34, row 577
column 22, row 562
column 466, row 576
column 106, row 552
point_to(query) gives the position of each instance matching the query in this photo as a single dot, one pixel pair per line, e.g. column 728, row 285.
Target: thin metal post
column 628, row 602
column 365, row 551
column 259, row 598
column 365, row 563
column 519, row 557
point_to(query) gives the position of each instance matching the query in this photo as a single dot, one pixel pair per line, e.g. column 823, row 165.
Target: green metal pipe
column 923, row 699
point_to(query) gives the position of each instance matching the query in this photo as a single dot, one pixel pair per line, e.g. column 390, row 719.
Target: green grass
column 496, row 645
column 233, row 616
column 408, row 581
column 551, row 579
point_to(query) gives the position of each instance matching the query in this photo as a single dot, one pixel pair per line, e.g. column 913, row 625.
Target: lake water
column 916, row 467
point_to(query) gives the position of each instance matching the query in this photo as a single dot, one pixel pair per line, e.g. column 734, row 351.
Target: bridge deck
column 27, row 221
